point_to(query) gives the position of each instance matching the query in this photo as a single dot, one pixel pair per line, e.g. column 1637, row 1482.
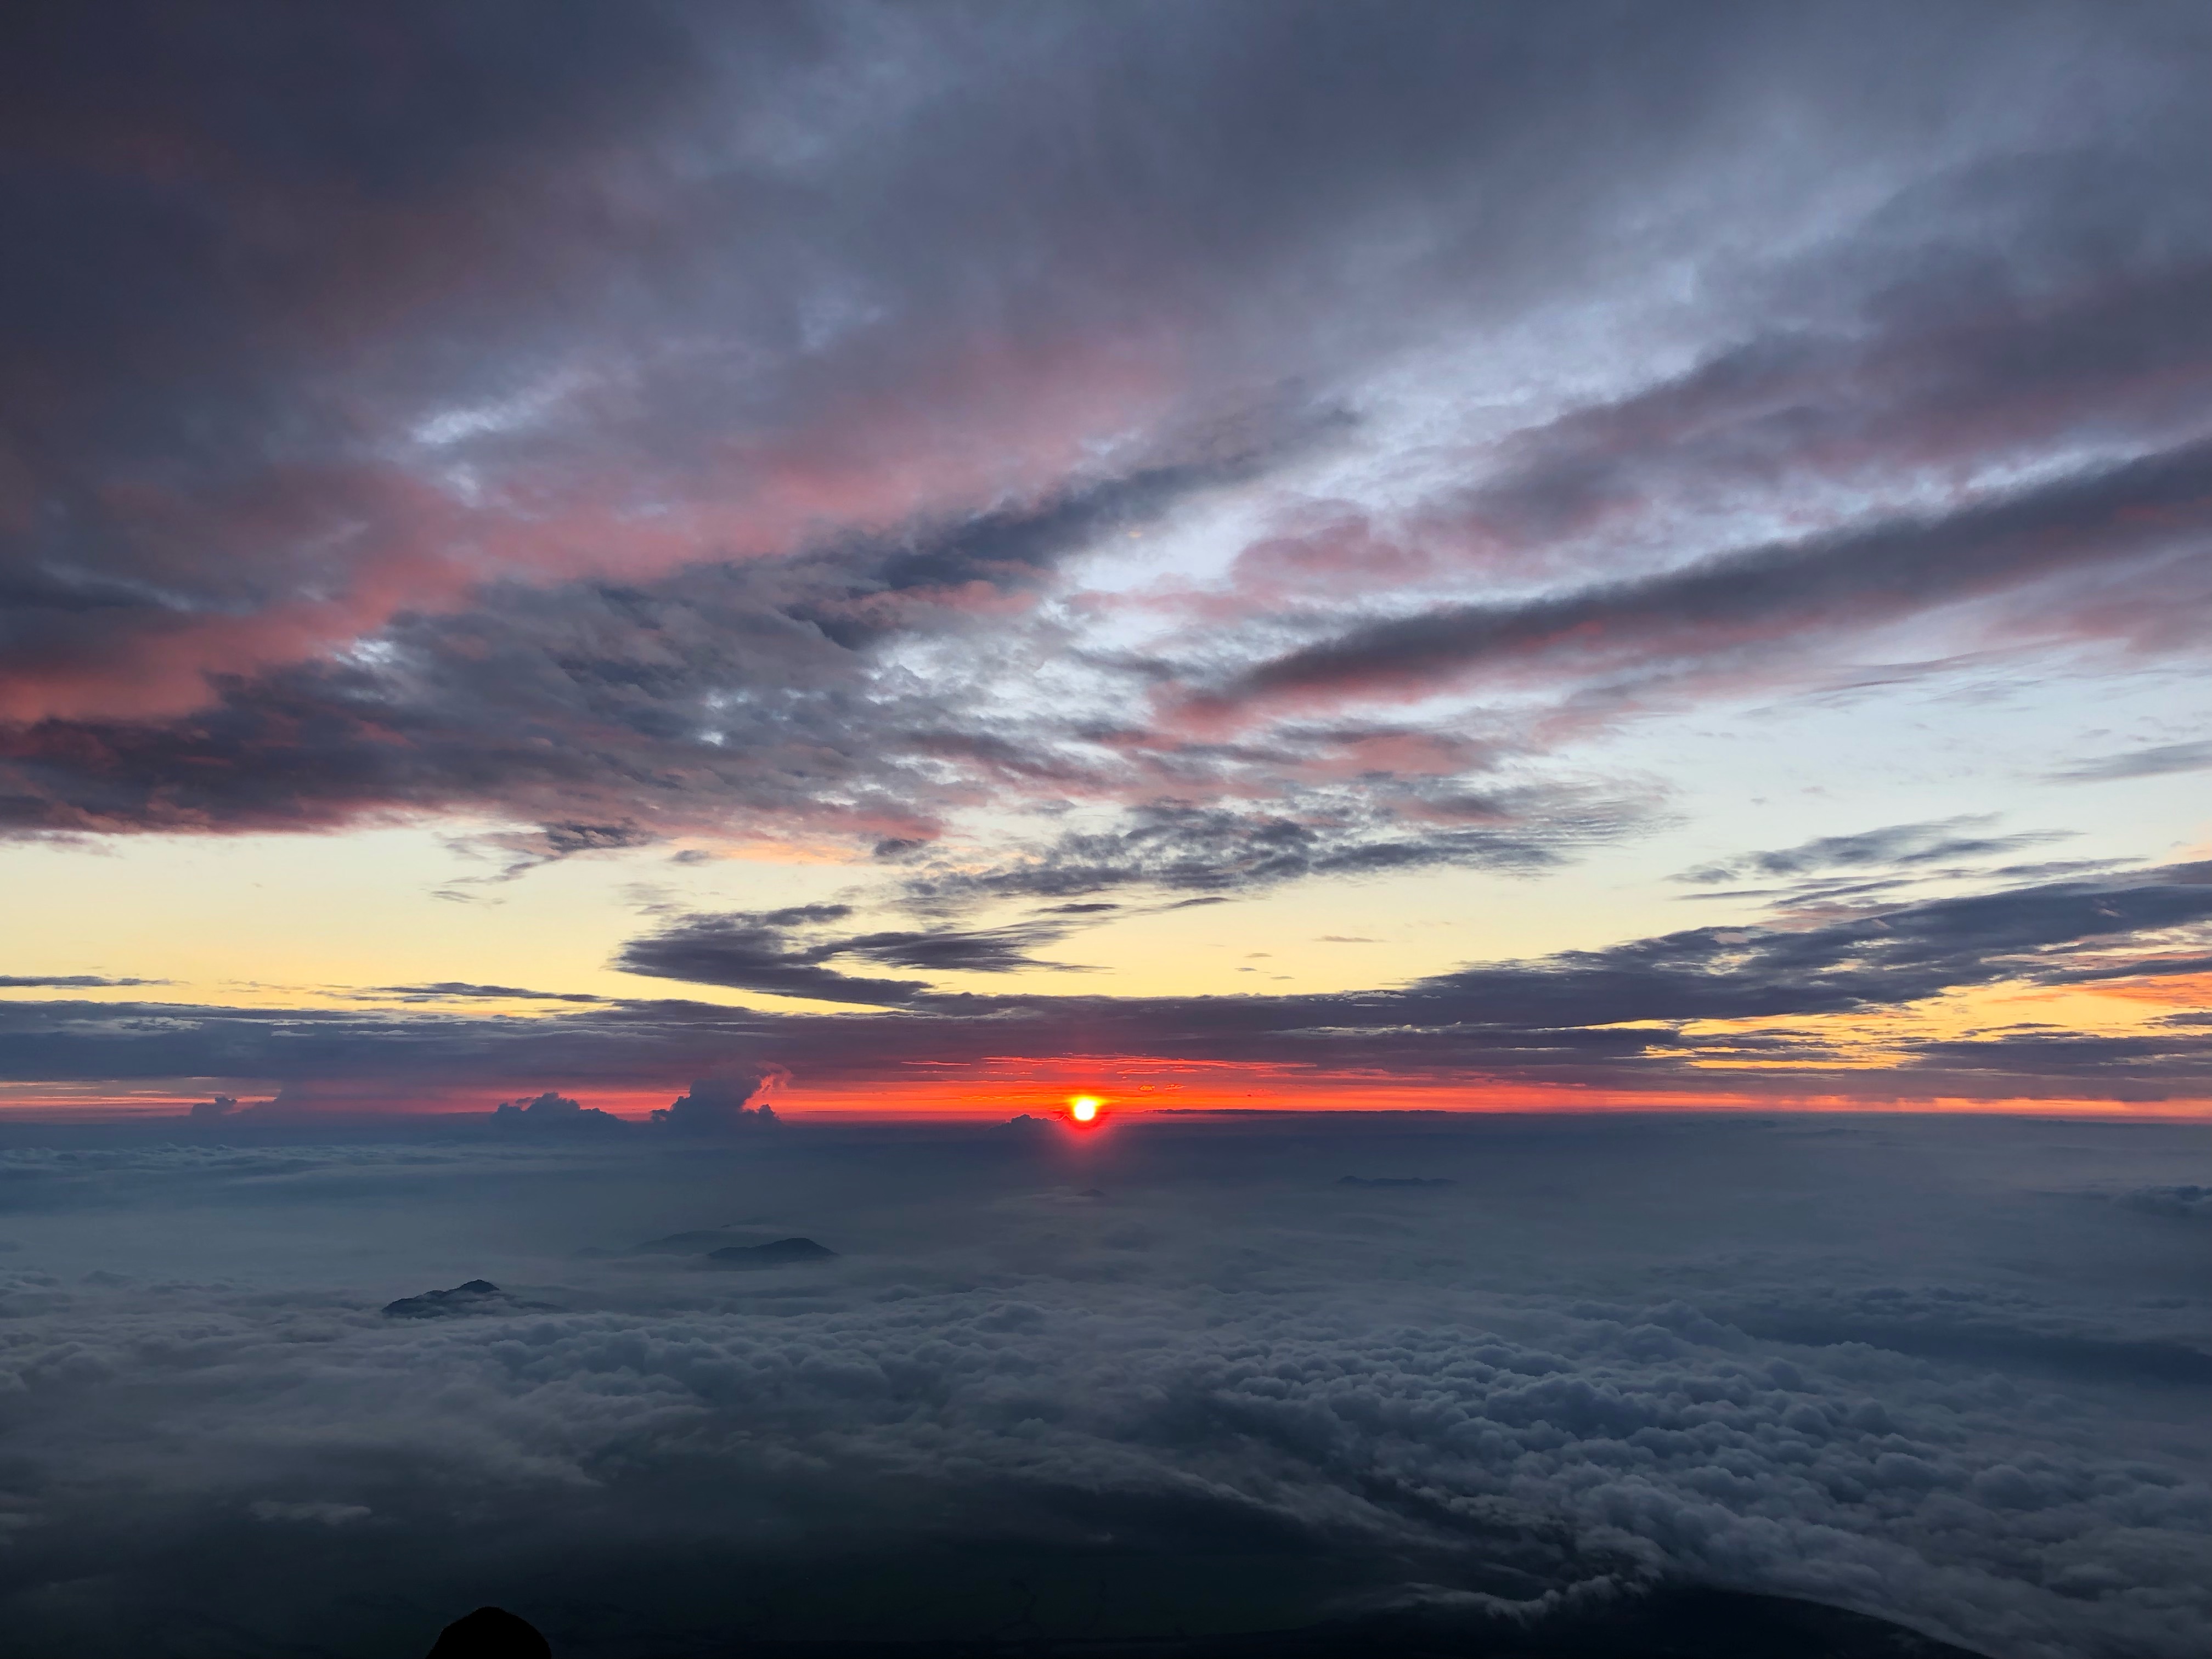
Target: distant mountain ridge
column 721, row 1246
column 1672, row 1622
column 477, row 1296
column 781, row 1253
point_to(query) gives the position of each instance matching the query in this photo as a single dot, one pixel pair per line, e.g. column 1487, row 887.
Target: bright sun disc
column 1083, row 1109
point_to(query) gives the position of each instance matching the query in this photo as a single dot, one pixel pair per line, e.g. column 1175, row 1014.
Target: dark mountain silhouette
column 1678, row 1622
column 782, row 1252
column 696, row 1243
column 490, row 1633
column 1682, row 1623
column 478, row 1296
column 436, row 1304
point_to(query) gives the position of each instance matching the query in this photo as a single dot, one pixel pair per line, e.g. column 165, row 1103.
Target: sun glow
column 1084, row 1109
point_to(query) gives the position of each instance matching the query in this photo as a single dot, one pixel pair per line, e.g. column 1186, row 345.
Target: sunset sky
column 935, row 558
column 1106, row 829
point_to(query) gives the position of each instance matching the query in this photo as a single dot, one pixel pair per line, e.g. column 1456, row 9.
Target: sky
column 1560, row 650
column 1594, row 555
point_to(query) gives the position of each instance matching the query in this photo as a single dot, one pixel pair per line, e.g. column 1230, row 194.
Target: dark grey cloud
column 489, row 197
column 785, row 952
column 217, row 210
column 730, row 1101
column 2187, row 1202
column 1897, row 846
column 553, row 1113
column 2158, row 1064
column 66, row 981
column 662, row 709
column 2153, row 762
column 1171, row 845
column 599, row 413
column 759, row 952
column 452, row 989
column 976, row 951
column 1953, row 362
column 875, row 587
column 523, row 850
column 734, row 1100
column 1611, row 1019
column 2146, row 513
column 729, row 695
column 1897, row 955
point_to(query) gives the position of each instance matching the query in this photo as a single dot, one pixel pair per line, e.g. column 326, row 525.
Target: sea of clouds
column 1179, row 1375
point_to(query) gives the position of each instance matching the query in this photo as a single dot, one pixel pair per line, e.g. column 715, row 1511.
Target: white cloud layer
column 1950, row 1373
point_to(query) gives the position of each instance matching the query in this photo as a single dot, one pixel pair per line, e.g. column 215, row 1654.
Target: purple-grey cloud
column 1615, row 1018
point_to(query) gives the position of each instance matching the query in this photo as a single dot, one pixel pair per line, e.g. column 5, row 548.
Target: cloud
column 67, row 981
column 757, row 952
column 550, row 843
column 2187, row 1202
column 719, row 1104
column 1946, row 363
column 994, row 448
column 2147, row 513
column 1896, row 956
column 141, row 274
column 2154, row 761
column 454, row 990
column 1548, row 1382
column 782, row 952
column 2155, row 1065
column 583, row 459
column 325, row 1515
column 993, row 445
column 1636, row 1016
column 1899, row 846
column 703, row 694
column 1173, row 846
column 979, row 950
column 552, row 1113
column 605, row 716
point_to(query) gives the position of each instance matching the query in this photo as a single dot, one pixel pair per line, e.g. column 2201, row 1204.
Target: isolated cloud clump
column 552, row 1110
column 721, row 1104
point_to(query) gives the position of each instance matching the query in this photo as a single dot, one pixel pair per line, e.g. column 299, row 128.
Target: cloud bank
column 1765, row 1012
column 1929, row 1371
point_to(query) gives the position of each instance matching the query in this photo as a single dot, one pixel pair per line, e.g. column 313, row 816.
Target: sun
column 1083, row 1109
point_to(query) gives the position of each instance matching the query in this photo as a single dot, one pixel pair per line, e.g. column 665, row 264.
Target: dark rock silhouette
column 435, row 1304
column 1676, row 1622
column 782, row 1252
column 1680, row 1623
column 490, row 1633
column 690, row 1243
column 1393, row 1181
column 478, row 1296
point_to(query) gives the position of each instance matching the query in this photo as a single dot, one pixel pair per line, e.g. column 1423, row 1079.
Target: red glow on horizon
column 996, row 1091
